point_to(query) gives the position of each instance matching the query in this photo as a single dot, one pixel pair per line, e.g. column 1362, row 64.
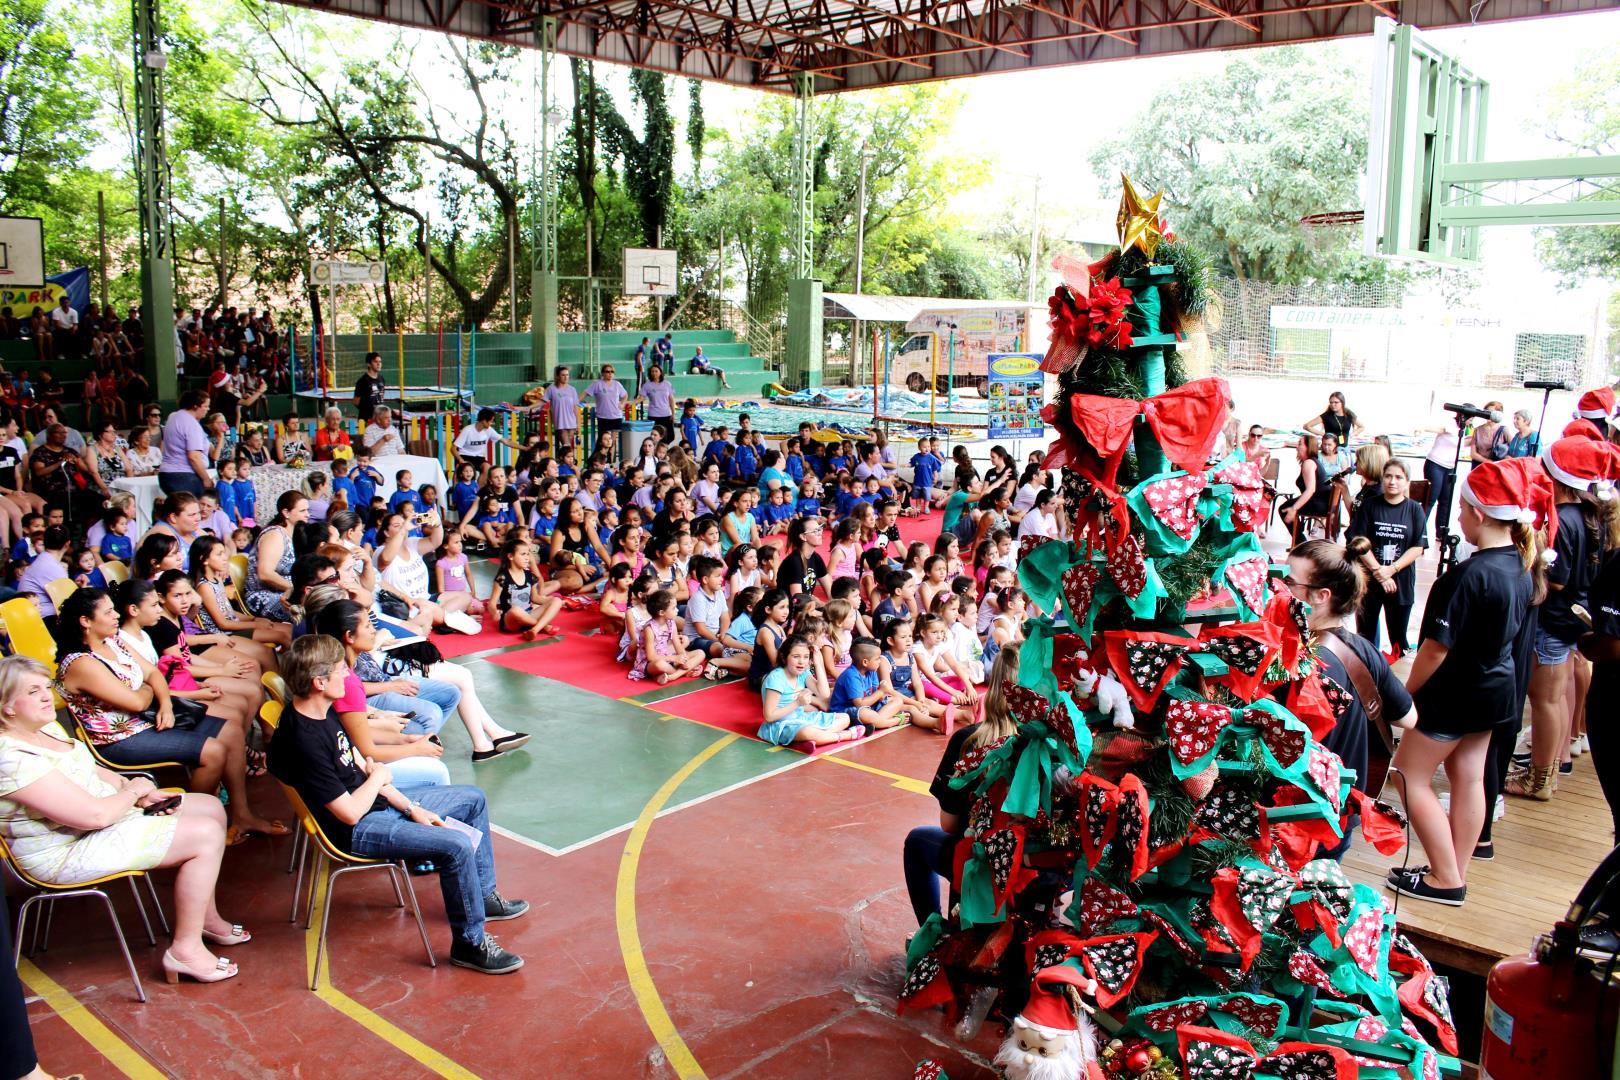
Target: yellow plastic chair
column 46, row 894
column 26, row 628
column 337, row 862
column 276, row 687
column 113, row 571
column 60, row 589
column 239, row 574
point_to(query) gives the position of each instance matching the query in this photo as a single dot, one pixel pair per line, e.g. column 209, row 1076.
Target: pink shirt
column 354, row 695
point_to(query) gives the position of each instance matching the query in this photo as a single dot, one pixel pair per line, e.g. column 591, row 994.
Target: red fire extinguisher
column 1550, row 1013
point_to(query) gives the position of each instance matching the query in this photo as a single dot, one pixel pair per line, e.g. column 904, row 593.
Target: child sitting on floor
column 635, row 617
column 708, row 617
column 616, row 597
column 859, row 692
column 450, row 572
column 835, row 641
column 523, row 602
column 795, row 696
column 664, row 654
column 937, row 673
column 900, row 679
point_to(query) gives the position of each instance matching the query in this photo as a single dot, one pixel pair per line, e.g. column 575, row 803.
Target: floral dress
column 101, row 722
column 260, row 599
column 663, row 645
column 54, row 852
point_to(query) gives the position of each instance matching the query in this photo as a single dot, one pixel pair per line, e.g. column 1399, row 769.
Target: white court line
column 804, row 759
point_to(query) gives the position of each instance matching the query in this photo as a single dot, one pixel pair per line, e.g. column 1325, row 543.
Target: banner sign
column 1017, row 392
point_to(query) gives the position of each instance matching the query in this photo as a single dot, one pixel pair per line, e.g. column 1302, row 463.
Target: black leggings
column 16, row 1042
column 1396, row 616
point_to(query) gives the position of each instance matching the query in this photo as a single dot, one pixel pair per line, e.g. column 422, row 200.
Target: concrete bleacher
column 501, row 364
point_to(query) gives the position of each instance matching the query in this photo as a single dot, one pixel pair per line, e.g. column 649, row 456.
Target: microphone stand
column 1546, row 395
column 1447, row 539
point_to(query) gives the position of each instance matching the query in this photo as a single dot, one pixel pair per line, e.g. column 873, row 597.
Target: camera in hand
column 1469, row 412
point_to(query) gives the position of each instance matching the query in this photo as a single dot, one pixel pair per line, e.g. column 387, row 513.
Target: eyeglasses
column 1289, row 582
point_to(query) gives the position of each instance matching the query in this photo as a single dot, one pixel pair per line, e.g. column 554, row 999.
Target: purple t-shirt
column 660, row 398
column 564, row 403
column 610, row 396
column 181, row 435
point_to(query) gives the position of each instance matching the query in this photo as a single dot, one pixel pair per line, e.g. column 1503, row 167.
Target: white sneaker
column 1578, row 746
column 1499, row 811
column 462, row 623
column 1522, row 746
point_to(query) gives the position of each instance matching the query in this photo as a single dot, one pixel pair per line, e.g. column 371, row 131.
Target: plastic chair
column 60, row 589
column 239, row 574
column 113, row 571
column 276, row 687
column 46, row 894
column 77, row 730
column 26, row 628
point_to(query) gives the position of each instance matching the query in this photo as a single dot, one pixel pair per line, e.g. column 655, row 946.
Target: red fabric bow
column 1145, row 662
column 1185, row 421
column 1247, row 650
column 1082, row 322
column 1248, row 493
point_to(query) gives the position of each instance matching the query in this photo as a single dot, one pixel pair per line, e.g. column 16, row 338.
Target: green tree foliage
column 1584, row 112
column 1244, row 153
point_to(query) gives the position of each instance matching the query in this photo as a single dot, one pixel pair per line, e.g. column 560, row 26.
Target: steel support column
column 803, row 366
column 543, row 210
column 152, row 179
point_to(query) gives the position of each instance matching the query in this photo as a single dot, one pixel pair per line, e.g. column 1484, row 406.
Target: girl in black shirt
column 1462, row 678
column 1386, row 537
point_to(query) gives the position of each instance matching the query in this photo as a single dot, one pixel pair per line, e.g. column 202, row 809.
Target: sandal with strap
column 1538, row 782
column 172, row 970
column 237, row 936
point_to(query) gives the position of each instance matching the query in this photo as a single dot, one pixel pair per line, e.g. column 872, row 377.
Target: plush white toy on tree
column 1053, row 1038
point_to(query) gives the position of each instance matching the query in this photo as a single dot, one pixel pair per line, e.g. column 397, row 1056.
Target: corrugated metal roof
column 902, row 309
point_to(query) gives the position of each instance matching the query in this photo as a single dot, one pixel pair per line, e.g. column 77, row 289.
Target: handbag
column 1380, row 751
column 187, row 713
column 392, row 606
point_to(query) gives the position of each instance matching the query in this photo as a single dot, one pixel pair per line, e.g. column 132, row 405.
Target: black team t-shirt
column 795, row 570
column 368, row 394
column 1391, row 530
column 1573, row 571
column 951, row 800
column 1475, row 610
column 1350, row 732
column 315, row 759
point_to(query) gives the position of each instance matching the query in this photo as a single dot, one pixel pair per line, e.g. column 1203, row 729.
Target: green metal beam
column 804, row 177
column 543, row 209
column 152, row 179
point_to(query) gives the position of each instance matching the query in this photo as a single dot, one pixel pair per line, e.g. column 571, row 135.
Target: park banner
column 74, row 284
column 1017, row 393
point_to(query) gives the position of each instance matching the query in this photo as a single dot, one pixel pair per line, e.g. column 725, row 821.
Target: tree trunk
column 390, row 317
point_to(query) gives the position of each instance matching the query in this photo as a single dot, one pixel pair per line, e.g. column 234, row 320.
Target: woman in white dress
column 67, row 820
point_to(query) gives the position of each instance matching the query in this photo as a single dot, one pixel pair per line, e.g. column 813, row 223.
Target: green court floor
column 593, row 763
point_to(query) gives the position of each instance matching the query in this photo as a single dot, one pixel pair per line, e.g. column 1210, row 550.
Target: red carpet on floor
column 733, row 707
column 582, row 661
column 568, row 622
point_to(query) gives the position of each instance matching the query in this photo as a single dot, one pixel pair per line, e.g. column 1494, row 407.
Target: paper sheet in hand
column 472, row 834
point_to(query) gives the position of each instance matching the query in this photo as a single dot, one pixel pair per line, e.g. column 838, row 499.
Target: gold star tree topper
column 1138, row 220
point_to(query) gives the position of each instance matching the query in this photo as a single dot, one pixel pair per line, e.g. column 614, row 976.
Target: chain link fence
column 1364, row 332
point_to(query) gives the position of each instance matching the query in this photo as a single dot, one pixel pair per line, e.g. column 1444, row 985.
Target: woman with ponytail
column 1462, row 678
column 1579, row 468
column 1325, row 576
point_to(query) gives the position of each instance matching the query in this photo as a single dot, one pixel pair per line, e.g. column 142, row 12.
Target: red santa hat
column 1513, row 489
column 1584, row 464
column 1596, row 404
column 1048, row 1005
column 1584, row 429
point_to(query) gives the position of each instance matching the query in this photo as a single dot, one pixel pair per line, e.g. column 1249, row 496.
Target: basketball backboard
column 649, row 271
column 1428, row 114
column 22, row 253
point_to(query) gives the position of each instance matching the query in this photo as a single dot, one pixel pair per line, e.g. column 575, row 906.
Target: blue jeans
column 928, row 856
column 466, row 875
column 171, row 482
column 1442, row 480
column 434, row 702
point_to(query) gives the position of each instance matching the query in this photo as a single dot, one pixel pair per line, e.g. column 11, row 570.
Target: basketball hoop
column 1329, row 229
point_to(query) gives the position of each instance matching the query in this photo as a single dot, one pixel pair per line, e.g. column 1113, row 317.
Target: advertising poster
column 1017, row 393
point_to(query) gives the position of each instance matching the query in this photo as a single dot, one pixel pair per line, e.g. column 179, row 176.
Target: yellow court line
column 405, row 1043
column 624, row 910
column 87, row 1024
column 904, row 783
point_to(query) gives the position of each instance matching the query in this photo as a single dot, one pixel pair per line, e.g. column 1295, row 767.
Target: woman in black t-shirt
column 1576, row 465
column 1336, row 420
column 930, row 850
column 802, row 570
column 1462, row 678
column 1386, row 537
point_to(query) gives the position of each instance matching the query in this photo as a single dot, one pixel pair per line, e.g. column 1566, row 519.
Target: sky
column 1521, row 61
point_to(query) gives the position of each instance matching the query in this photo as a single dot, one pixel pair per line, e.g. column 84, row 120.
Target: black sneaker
column 1565, row 768
column 1484, row 851
column 487, row 956
column 498, row 908
column 486, row 755
column 1413, row 885
column 511, row 742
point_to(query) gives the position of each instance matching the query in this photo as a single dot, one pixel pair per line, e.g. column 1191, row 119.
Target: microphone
column 1464, row 411
column 1546, row 384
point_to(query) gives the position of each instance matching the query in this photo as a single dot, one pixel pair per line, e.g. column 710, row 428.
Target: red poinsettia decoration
column 1082, row 322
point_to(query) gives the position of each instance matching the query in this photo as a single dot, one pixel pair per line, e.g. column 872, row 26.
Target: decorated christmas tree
column 1140, row 880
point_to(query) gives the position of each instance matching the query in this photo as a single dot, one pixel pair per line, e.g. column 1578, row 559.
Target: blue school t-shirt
column 925, row 468
column 691, row 426
column 543, row 524
column 247, row 499
column 225, row 491
column 779, row 512
column 366, row 482
column 464, row 496
column 808, row 507
column 116, row 546
column 794, row 466
column 845, row 502
column 399, row 498
column 746, row 462
column 345, row 485
column 503, row 516
column 853, row 683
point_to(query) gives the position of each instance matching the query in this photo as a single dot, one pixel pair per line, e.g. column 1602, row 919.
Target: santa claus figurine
column 1053, row 1038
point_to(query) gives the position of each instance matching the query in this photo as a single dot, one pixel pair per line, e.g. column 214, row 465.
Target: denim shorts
column 1550, row 652
column 182, row 743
